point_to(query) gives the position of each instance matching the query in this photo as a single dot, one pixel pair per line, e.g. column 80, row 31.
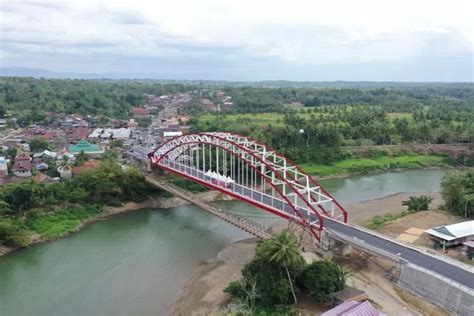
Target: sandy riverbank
column 205, row 288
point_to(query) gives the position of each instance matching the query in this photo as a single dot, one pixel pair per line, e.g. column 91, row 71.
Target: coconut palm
column 65, row 167
column 65, row 164
column 283, row 250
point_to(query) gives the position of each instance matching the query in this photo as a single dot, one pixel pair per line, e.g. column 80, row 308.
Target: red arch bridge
column 255, row 173
column 252, row 172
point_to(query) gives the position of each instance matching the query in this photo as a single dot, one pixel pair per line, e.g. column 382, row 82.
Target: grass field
column 393, row 116
column 355, row 165
column 65, row 221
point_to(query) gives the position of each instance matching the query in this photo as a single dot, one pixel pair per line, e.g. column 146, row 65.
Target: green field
column 260, row 119
column 356, row 165
column 400, row 115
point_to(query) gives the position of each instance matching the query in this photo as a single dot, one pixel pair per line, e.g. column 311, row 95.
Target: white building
column 452, row 235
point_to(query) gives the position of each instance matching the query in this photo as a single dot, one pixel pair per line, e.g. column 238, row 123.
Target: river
column 136, row 263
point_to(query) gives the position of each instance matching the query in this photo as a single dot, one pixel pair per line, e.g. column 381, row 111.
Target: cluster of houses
column 222, row 102
column 37, row 165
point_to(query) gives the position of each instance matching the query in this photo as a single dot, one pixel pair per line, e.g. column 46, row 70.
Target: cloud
column 284, row 40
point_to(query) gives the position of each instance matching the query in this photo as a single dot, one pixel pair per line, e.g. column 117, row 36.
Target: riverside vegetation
column 272, row 282
column 457, row 190
column 31, row 209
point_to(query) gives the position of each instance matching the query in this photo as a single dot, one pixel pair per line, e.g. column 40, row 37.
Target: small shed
column 350, row 294
column 350, row 308
column 452, row 235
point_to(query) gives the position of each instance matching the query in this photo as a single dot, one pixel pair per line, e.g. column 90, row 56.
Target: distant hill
column 193, row 79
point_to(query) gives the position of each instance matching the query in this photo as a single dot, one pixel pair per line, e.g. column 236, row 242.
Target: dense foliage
column 458, row 193
column 418, row 203
column 88, row 97
column 54, row 208
column 278, row 272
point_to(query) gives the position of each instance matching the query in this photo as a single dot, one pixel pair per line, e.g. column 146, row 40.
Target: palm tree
column 283, row 250
column 65, row 167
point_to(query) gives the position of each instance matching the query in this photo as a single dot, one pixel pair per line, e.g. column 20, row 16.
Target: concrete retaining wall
column 437, row 290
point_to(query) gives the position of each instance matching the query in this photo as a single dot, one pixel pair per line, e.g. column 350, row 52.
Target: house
column 86, row 147
column 350, row 308
column 3, row 123
column 87, row 166
column 139, row 112
column 208, row 105
column 452, row 235
column 121, row 133
column 22, row 166
column 3, row 167
column 42, row 166
column 78, row 134
column 44, row 178
column 132, row 124
column 45, row 154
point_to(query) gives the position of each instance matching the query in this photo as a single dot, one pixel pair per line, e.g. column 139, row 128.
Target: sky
column 247, row 40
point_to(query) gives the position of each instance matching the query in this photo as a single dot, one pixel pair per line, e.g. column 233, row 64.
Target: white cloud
column 291, row 32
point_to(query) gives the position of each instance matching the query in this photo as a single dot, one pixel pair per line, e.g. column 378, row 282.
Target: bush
column 13, row 235
column 418, row 203
column 321, row 279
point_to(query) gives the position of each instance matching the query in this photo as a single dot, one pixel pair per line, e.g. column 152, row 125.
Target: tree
column 322, row 279
column 457, row 190
column 418, row 203
column 38, row 144
column 81, row 158
column 283, row 250
column 116, row 143
column 12, row 152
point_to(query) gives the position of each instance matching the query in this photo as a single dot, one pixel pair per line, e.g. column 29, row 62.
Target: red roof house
column 22, row 166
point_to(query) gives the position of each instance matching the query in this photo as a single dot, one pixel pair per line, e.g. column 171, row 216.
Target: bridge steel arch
column 291, row 193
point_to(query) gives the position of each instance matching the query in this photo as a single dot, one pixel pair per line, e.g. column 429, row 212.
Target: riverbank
column 205, row 288
column 354, row 166
column 110, row 211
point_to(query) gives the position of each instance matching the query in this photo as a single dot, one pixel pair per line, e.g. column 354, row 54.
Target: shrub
column 321, row 279
column 13, row 235
column 418, row 203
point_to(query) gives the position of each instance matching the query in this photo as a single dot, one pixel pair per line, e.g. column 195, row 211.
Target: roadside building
column 170, row 134
column 87, row 148
column 452, row 235
column 22, row 166
column 3, row 167
column 350, row 308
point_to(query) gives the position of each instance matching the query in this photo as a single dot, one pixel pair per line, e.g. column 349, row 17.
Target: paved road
column 416, row 257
